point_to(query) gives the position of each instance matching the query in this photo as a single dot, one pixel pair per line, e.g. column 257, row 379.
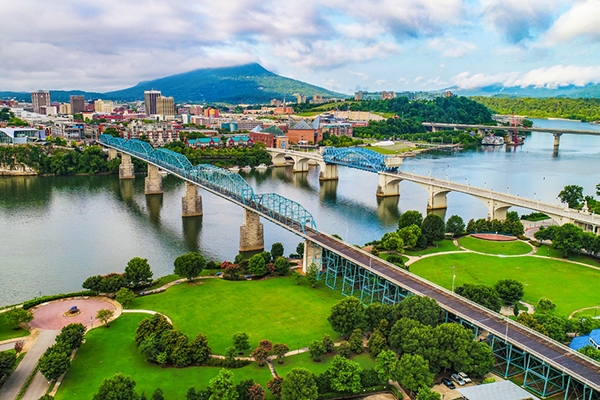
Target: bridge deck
column 535, row 344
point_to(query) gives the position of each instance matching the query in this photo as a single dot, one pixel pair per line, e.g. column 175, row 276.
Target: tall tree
column 410, row 235
column 567, row 238
column 282, row 266
column 222, row 387
column 455, row 225
column 420, row 308
column 257, row 265
column 410, row 217
column 17, row 316
column 385, row 365
column 199, row 349
column 433, row 228
column 510, row 290
column 480, row 360
column 241, row 341
column 481, row 294
column 316, row 350
column 276, row 250
column 344, row 375
column 8, row 359
column 347, row 315
column 412, row 373
column 55, row 361
column 427, row 394
column 189, row 265
column 138, row 272
column 119, row 387
column 299, row 384
column 573, row 196
column 71, row 335
column 125, row 296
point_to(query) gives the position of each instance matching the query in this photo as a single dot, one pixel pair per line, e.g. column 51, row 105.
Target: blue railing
column 359, row 158
column 228, row 184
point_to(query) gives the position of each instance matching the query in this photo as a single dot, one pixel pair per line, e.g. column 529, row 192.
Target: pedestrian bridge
column 546, row 366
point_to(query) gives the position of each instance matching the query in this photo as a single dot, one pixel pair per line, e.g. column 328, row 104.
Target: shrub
column 39, row 300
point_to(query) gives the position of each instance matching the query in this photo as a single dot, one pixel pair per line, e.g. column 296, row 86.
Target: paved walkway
column 13, row 385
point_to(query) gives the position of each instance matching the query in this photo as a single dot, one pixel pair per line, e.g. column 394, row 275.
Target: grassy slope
column 303, row 360
column 110, row 350
column 6, row 332
column 570, row 286
column 489, row 247
column 549, row 251
column 444, row 245
column 275, row 309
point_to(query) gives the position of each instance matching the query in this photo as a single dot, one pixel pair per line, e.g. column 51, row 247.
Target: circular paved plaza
column 52, row 316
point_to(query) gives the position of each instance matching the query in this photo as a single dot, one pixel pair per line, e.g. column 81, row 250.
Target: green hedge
column 39, row 300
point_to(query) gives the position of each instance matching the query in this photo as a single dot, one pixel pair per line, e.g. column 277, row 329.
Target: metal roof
column 504, row 390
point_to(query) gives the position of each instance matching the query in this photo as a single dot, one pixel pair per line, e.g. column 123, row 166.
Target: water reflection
column 192, row 226
column 328, row 191
column 154, row 204
column 387, row 209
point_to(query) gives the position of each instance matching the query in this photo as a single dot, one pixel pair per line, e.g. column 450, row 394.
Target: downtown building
column 40, row 99
column 77, row 104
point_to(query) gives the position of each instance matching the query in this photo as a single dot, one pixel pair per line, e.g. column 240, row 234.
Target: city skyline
column 343, row 46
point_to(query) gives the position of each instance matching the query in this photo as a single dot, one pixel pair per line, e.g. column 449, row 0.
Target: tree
column 420, row 308
column 344, row 349
column 280, row 349
column 8, row 359
column 573, row 196
column 189, row 265
column 410, row 235
column 346, row 315
column 591, row 352
column 427, row 394
column 392, row 241
column 119, row 387
column 230, row 354
column 300, row 248
column 345, row 375
column 274, row 386
column 125, row 296
column 568, row 237
column 410, row 217
column 316, row 350
column 111, row 283
column 312, row 274
column 105, row 315
column 412, row 372
column 356, row 341
column 138, row 272
column 299, row 384
column 93, row 283
column 452, row 345
column 481, row 294
column 71, row 335
column 480, row 360
column 510, row 290
column 257, row 265
column 260, row 355
column 199, row 349
column 327, row 343
column 377, row 343
column 385, row 365
column 455, row 225
column 433, row 228
column 158, row 394
column 256, row 392
column 282, row 266
column 240, row 341
column 545, row 305
column 156, row 325
column 17, row 316
column 276, row 250
column 55, row 361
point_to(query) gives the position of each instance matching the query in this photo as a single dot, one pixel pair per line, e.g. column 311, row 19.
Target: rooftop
column 504, row 390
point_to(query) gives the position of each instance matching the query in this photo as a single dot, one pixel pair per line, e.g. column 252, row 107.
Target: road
column 11, row 387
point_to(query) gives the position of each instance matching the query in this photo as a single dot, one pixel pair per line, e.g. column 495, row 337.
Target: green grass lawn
column 275, row 309
column 386, row 255
column 549, row 251
column 111, row 350
column 570, row 286
column 515, row 247
column 7, row 332
column 439, row 247
column 303, row 360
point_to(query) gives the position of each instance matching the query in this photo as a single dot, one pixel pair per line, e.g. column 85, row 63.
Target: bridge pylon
column 191, row 202
column 388, row 185
column 126, row 168
column 153, row 182
column 112, row 154
column 312, row 254
column 556, row 140
column 328, row 172
column 251, row 233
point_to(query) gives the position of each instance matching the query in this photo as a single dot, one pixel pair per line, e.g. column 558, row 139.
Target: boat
column 234, row 169
column 492, row 141
column 247, row 168
column 262, row 167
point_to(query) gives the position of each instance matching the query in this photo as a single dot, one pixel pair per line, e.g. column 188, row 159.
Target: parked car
column 448, row 383
column 465, row 377
column 456, row 378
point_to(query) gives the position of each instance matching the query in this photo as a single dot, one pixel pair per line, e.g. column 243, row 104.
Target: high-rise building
column 40, row 99
column 165, row 106
column 77, row 104
column 65, row 108
column 150, row 97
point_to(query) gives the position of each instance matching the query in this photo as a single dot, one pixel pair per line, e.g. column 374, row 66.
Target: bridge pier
column 556, row 140
column 388, row 186
column 251, row 233
column 112, row 154
column 328, row 172
column 300, row 165
column 436, row 199
column 312, row 254
column 496, row 209
column 153, row 182
column 191, row 202
column 126, row 168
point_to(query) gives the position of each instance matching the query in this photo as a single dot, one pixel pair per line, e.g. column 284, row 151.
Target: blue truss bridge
column 545, row 366
column 359, row 158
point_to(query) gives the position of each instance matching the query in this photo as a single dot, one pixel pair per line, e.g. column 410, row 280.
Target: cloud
column 518, row 20
column 553, row 77
column 451, row 47
column 580, row 21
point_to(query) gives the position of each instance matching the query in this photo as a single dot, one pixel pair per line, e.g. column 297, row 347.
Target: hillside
column 249, row 83
column 581, row 109
column 571, row 91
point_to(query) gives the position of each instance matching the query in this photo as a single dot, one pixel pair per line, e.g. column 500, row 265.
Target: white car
column 465, row 377
column 456, row 378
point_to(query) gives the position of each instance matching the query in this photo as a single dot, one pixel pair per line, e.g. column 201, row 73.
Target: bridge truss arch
column 359, row 158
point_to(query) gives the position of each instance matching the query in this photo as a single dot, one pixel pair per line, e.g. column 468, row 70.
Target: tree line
column 579, row 109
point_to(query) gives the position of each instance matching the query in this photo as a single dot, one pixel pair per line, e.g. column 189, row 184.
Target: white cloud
column 451, row 47
column 381, row 82
column 580, row 21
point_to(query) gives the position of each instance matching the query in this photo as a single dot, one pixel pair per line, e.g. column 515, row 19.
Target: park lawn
column 163, row 280
column 303, row 360
column 549, row 251
column 439, row 247
column 110, row 350
column 590, row 312
column 275, row 309
column 386, row 255
column 516, row 247
column 570, row 286
column 7, row 332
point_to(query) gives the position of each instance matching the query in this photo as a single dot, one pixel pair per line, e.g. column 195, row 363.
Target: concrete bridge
column 481, row 129
column 546, row 366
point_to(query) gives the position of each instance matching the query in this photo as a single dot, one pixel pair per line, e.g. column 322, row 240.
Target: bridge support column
column 436, row 198
column 312, row 254
column 251, row 233
column 126, row 167
column 300, row 165
column 191, row 202
column 112, row 154
column 388, row 186
column 556, row 139
column 496, row 209
column 328, row 172
column 153, row 181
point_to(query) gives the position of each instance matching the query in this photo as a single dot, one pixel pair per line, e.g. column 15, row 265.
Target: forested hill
column 582, row 109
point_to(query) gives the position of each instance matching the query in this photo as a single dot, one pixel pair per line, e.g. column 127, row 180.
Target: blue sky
column 343, row 45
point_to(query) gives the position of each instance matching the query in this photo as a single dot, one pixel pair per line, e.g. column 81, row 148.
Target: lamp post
column 506, row 333
column 508, row 189
column 453, row 276
column 92, row 322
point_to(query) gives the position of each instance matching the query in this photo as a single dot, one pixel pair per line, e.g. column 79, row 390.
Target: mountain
column 571, row 91
column 249, row 83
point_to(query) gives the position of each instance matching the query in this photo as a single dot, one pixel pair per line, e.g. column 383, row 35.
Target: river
column 57, row 231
